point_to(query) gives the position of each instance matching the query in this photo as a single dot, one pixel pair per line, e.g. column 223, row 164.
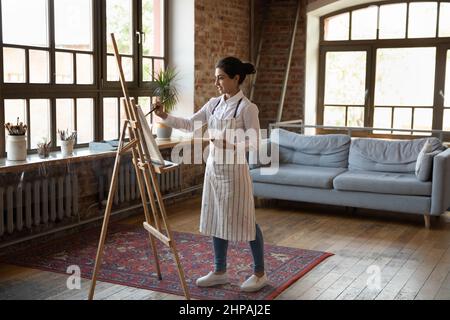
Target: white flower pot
column 16, row 148
column 163, row 132
column 67, row 148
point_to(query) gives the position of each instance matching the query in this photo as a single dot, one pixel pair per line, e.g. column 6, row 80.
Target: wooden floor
column 413, row 262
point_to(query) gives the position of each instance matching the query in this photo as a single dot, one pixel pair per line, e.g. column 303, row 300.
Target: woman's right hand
column 159, row 110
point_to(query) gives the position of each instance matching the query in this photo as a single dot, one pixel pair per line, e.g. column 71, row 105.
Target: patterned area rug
column 128, row 260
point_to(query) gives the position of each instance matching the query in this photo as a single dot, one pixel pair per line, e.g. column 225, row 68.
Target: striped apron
column 228, row 210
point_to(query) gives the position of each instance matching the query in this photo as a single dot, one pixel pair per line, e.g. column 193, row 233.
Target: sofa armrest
column 440, row 195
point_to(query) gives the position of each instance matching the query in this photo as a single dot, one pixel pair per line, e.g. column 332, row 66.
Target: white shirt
column 246, row 117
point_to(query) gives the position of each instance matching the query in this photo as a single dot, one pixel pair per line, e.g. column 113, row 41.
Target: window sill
column 79, row 155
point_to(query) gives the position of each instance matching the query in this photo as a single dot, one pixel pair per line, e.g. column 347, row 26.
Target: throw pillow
column 424, row 163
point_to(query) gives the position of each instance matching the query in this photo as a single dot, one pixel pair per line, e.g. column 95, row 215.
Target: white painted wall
column 181, row 54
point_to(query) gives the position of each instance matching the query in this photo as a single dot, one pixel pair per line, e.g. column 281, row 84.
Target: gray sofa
column 363, row 173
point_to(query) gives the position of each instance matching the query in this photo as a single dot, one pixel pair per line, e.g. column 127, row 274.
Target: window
column 392, row 19
column 35, row 13
column 110, row 118
column 445, row 95
column 60, row 72
column 65, row 111
column 141, row 52
column 382, row 65
column 39, row 121
column 345, row 88
column 85, row 120
column 405, row 79
column 73, row 25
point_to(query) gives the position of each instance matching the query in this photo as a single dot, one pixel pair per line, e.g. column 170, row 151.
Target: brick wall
column 276, row 35
column 222, row 28
column 223, row 32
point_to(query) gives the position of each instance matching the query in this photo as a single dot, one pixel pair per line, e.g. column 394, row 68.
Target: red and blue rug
column 128, row 260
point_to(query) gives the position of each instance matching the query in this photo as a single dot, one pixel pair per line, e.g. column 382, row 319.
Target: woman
column 228, row 211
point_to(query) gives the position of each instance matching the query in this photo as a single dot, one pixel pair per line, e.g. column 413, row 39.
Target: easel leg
column 100, row 249
column 155, row 255
column 180, row 272
column 140, row 176
column 169, row 233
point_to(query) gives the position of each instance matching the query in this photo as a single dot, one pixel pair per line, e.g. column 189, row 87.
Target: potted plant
column 67, row 140
column 16, row 148
column 168, row 95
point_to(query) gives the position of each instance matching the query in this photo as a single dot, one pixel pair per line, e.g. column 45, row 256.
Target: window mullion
column 27, row 66
column 2, row 105
column 438, row 13
column 439, row 84
column 74, row 68
column 75, row 124
column 104, row 44
column 165, row 33
column 407, row 21
column 139, row 46
column 350, row 26
column 321, row 86
column 370, row 86
column 97, row 21
column 53, row 133
column 2, row 132
column 52, row 57
column 51, row 14
column 28, row 116
column 392, row 119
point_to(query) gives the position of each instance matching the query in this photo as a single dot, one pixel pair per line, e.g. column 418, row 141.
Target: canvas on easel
column 152, row 146
column 148, row 162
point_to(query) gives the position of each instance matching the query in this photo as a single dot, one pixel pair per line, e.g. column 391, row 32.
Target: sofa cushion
column 388, row 155
column 424, row 162
column 321, row 150
column 382, row 182
column 299, row 175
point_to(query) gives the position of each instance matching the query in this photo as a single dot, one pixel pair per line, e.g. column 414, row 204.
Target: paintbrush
column 16, row 130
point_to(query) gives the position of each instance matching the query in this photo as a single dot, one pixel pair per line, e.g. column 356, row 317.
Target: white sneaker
column 254, row 283
column 212, row 279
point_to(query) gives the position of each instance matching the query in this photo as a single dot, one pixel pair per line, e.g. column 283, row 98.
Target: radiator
column 29, row 205
column 128, row 188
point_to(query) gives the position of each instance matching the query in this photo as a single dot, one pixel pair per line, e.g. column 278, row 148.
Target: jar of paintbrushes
column 67, row 140
column 43, row 148
column 16, row 144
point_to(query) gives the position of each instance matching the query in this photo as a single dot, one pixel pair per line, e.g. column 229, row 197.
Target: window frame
column 442, row 44
column 98, row 90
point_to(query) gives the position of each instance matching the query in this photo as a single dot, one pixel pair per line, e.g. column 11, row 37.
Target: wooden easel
column 148, row 184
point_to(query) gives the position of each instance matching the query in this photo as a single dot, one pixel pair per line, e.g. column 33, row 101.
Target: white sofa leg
column 427, row 219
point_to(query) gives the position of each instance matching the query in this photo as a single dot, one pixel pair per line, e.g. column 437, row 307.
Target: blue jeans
column 257, row 247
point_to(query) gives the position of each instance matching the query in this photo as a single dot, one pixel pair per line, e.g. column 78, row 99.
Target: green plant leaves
column 165, row 88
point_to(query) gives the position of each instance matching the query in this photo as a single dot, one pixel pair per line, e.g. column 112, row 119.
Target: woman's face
column 225, row 84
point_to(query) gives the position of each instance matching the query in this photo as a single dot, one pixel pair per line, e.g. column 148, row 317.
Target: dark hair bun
column 232, row 66
column 248, row 68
